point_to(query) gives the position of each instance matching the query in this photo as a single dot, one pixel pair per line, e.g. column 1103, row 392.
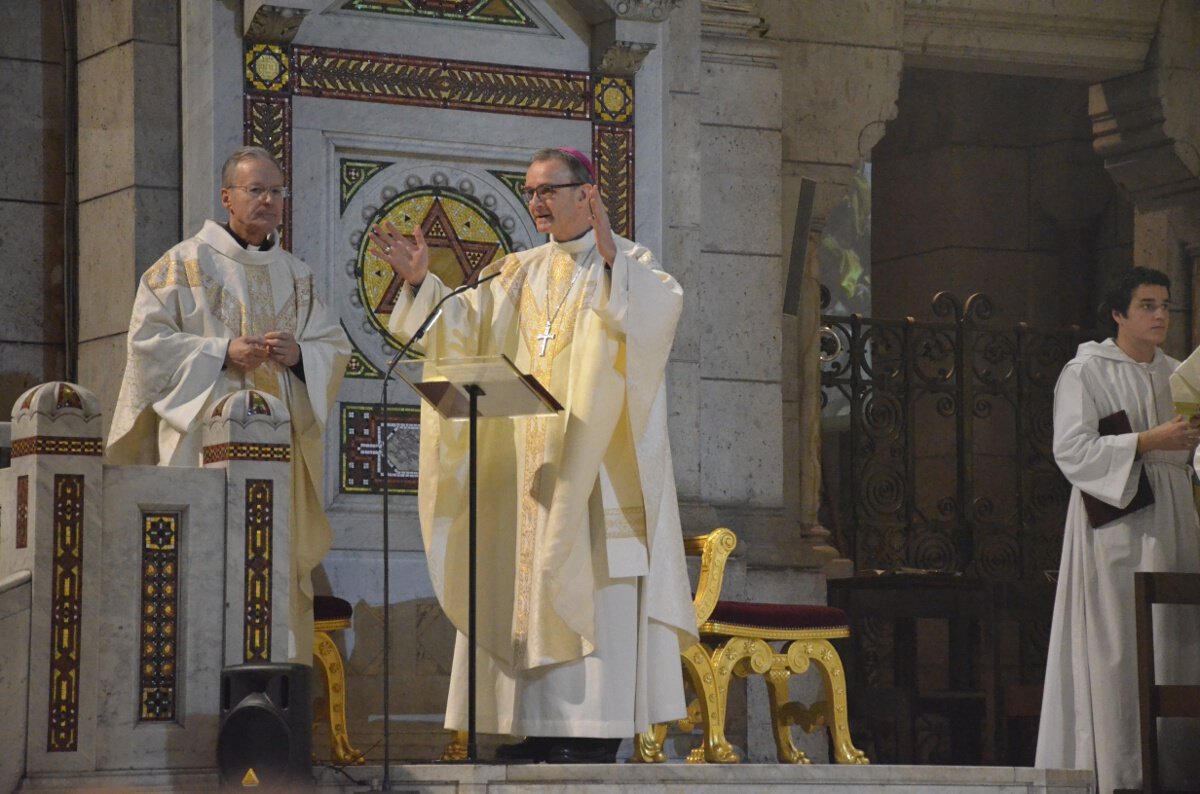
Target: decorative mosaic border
column 260, row 523
column 363, row 436
column 66, row 615
column 160, row 616
column 22, row 511
column 275, row 73
column 219, row 453
column 55, row 445
column 497, row 13
column 434, row 82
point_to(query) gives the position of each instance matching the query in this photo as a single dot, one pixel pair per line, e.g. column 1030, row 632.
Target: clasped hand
column 248, row 353
column 1173, row 435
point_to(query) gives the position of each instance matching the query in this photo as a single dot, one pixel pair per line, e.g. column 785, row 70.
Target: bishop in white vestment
column 1089, row 716
column 584, row 602
column 229, row 310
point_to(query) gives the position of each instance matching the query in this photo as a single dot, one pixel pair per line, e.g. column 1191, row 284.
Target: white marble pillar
column 249, row 437
column 56, row 463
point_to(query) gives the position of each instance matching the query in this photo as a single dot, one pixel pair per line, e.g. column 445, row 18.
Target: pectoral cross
column 545, row 338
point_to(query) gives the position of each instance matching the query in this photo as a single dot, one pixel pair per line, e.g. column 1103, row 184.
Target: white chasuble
column 584, row 603
column 198, row 296
column 1089, row 714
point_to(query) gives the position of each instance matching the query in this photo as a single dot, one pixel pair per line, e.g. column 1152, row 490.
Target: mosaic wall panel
column 66, row 612
column 160, row 616
column 275, row 73
column 377, row 453
column 462, row 234
column 432, row 82
column 22, row 511
column 613, row 150
column 268, row 123
column 500, row 13
column 260, row 523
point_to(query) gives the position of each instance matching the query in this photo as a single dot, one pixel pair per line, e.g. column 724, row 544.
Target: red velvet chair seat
column 331, row 608
column 780, row 617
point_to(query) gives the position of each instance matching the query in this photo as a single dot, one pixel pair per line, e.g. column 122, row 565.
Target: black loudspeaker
column 265, row 738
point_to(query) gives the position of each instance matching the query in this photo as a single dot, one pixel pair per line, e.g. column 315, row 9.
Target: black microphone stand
column 428, row 322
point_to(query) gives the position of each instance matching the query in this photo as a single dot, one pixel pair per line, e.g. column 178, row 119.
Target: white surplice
column 198, row 296
column 1089, row 714
column 584, row 602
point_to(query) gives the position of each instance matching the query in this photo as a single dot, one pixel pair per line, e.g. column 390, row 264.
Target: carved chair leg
column 777, row 694
column 456, row 750
column 648, row 745
column 829, row 663
column 712, row 691
column 335, row 677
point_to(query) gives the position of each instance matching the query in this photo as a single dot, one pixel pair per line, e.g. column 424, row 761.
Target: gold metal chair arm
column 714, row 548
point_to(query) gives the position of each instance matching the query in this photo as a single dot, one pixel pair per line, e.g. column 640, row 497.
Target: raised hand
column 246, row 353
column 605, row 244
column 409, row 259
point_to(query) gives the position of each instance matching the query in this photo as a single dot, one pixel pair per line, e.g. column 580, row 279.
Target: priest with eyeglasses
column 225, row 310
column 584, row 602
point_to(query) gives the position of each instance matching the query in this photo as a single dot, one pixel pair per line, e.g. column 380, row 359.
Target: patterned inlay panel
column 267, row 120
column 160, row 618
column 22, row 511
column 355, row 174
column 66, row 612
column 260, row 521
column 218, row 453
column 612, row 147
column 53, row 445
column 505, row 13
column 432, row 82
column 365, row 438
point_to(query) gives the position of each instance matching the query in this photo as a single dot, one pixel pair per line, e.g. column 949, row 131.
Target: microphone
column 387, row 465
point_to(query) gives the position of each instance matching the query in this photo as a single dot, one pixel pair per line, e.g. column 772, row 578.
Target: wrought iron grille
column 946, row 445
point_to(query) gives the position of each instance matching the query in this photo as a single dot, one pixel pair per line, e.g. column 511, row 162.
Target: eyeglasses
column 258, row 191
column 544, row 192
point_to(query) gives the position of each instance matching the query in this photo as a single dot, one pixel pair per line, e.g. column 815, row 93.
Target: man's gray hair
column 579, row 172
column 241, row 154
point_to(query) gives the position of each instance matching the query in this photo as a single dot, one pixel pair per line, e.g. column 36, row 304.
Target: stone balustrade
column 128, row 588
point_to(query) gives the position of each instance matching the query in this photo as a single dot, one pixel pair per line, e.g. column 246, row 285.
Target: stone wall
column 128, row 78
column 32, row 181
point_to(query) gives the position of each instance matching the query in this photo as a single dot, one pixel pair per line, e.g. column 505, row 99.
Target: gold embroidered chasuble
column 547, row 485
column 202, row 293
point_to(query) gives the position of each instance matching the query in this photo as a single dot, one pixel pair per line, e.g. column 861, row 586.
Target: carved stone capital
column 1154, row 161
column 276, row 22
column 623, row 58
column 643, row 10
column 738, row 18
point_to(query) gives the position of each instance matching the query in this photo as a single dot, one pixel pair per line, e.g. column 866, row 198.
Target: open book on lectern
column 503, row 389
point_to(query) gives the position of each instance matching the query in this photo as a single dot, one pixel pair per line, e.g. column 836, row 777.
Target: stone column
column 31, row 196
column 739, row 277
column 128, row 169
column 249, row 437
column 57, row 467
column 841, row 80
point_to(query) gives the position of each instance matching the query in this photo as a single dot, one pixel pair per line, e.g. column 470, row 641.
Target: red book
column 1101, row 513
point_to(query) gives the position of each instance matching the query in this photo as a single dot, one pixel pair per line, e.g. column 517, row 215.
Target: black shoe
column 530, row 751
column 575, row 750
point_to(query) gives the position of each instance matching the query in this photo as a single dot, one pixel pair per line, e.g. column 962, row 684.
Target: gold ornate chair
column 736, row 639
column 333, row 614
